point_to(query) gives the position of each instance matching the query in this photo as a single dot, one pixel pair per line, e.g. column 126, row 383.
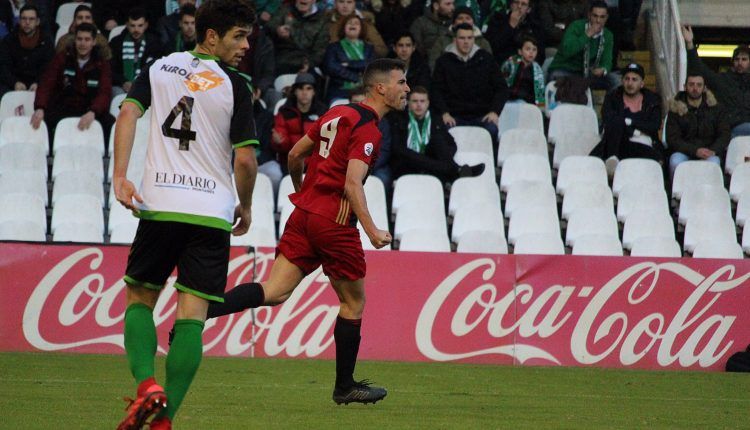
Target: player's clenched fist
column 381, row 238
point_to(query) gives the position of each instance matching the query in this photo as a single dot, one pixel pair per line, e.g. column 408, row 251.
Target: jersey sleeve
column 363, row 143
column 314, row 132
column 242, row 131
column 140, row 92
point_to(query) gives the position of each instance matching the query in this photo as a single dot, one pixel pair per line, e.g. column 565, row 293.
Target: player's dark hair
column 88, row 28
column 377, row 68
column 27, row 7
column 188, row 9
column 342, row 26
column 419, row 90
column 597, row 4
column 137, row 13
column 221, row 16
column 82, row 8
column 464, row 26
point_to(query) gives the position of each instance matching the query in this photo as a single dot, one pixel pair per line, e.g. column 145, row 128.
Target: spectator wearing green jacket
column 300, row 37
column 586, row 50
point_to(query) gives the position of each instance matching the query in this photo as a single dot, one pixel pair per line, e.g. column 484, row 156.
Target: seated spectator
column 381, row 168
column 77, row 82
column 169, row 25
column 524, row 75
column 345, row 8
column 266, row 9
column 467, row 85
column 132, row 51
column 24, row 53
column 489, row 8
column 83, row 14
column 421, row 145
column 300, row 37
column 435, row 22
column 184, row 40
column 631, row 116
column 10, row 13
column 696, row 126
column 504, row 29
column 462, row 15
column 732, row 88
column 557, row 15
column 417, row 71
column 259, row 62
column 110, row 13
column 268, row 163
column 391, row 18
column 586, row 50
column 296, row 116
column 345, row 60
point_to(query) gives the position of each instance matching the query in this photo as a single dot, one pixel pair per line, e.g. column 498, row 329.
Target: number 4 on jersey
column 184, row 133
column 328, row 135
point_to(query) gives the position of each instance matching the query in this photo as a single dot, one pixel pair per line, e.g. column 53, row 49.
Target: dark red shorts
column 310, row 240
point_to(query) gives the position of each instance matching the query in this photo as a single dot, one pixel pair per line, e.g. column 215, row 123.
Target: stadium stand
column 521, row 141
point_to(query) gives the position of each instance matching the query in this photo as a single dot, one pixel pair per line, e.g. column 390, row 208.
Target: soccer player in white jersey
column 201, row 110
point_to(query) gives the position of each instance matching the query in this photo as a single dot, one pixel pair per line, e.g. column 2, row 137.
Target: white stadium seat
column 570, row 118
column 524, row 167
column 577, row 168
column 17, row 103
column 520, row 115
column 78, row 232
column 530, row 194
column 634, row 197
column 283, row 81
column 420, row 215
column 647, row 223
column 22, row 207
column 24, row 181
column 637, row 171
column 550, row 97
column 21, row 156
column 472, row 139
column 695, row 172
column 78, row 158
column 484, row 242
column 77, row 183
column 123, row 233
column 467, row 191
column 594, row 244
column 539, row 243
column 587, row 195
column 532, row 220
column 587, row 221
column 573, row 143
column 521, row 141
column 68, row 134
column 700, row 198
column 738, row 152
column 114, row 105
column 654, row 246
column 718, row 249
column 740, row 181
column 416, row 188
column 17, row 129
column 78, row 209
column 26, row 230
column 284, row 217
column 118, row 215
column 708, row 226
column 116, row 31
column 474, row 158
column 425, row 240
column 479, row 216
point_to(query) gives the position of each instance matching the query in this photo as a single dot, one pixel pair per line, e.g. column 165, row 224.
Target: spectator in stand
column 77, row 82
column 732, row 88
column 697, row 127
column 421, row 145
column 346, row 8
column 392, row 17
column 524, row 75
column 108, row 14
column 266, row 9
column 504, row 29
column 24, row 53
column 467, row 85
column 462, row 15
column 631, row 116
column 417, row 71
column 184, row 40
column 132, row 51
column 296, row 117
column 435, row 22
column 259, row 62
column 300, row 37
column 345, row 60
column 586, row 50
column 81, row 15
column 556, row 16
column 268, row 163
column 488, row 9
column 169, row 25
column 381, row 168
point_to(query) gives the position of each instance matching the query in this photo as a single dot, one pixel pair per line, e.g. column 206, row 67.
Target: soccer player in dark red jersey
column 322, row 230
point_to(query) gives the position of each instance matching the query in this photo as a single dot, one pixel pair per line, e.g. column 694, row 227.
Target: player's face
column 84, row 44
column 83, row 16
column 396, row 90
column 345, row 7
column 528, row 52
column 632, row 83
column 305, row 94
column 136, row 27
column 404, row 48
column 741, row 63
column 187, row 26
column 232, row 47
column 418, row 104
column 28, row 21
column 695, row 87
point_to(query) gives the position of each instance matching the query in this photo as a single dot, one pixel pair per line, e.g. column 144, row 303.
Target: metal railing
column 673, row 52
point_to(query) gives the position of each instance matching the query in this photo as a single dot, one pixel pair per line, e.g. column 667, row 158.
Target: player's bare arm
column 125, row 190
column 245, row 171
column 296, row 160
column 355, row 173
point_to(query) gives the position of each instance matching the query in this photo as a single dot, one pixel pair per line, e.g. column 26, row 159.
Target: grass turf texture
column 73, row 391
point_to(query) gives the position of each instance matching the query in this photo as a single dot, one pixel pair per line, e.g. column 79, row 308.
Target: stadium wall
column 493, row 309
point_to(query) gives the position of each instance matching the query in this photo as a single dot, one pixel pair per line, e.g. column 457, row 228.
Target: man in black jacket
column 631, row 116
column 24, row 53
column 420, row 144
column 467, row 85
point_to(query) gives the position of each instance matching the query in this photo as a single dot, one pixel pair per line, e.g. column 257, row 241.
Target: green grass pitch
column 73, row 391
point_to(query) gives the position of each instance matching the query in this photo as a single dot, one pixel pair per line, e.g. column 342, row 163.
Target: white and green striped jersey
column 200, row 109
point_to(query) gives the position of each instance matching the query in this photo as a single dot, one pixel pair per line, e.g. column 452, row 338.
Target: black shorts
column 201, row 255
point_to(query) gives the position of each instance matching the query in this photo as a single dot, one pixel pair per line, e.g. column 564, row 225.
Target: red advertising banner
column 527, row 310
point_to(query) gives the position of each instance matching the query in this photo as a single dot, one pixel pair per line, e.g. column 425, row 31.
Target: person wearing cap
column 732, row 88
column 505, row 29
column 587, row 50
column 631, row 116
column 697, row 127
column 462, row 15
column 435, row 22
column 295, row 117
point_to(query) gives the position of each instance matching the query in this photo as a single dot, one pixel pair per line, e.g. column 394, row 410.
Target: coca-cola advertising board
column 499, row 309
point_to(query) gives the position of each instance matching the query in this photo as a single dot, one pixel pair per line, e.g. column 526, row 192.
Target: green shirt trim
column 135, row 102
column 206, row 221
column 246, row 143
column 196, row 293
column 204, row 56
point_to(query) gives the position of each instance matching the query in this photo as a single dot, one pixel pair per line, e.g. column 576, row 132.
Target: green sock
column 183, row 360
column 140, row 340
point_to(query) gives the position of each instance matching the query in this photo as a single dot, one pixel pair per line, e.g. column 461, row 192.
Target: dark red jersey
column 343, row 133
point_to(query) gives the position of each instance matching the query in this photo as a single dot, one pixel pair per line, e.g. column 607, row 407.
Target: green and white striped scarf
column 131, row 59
column 355, row 51
column 418, row 138
column 510, row 72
